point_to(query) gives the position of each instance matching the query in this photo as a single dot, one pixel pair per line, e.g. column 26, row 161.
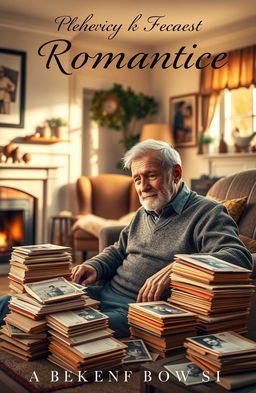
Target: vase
column 223, row 147
column 205, row 148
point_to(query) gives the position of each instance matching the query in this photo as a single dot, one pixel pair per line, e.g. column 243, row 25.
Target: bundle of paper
column 38, row 262
column 160, row 325
column 217, row 291
column 72, row 323
column 23, row 337
column 33, row 308
column 224, row 355
column 102, row 354
column 40, row 298
column 82, row 340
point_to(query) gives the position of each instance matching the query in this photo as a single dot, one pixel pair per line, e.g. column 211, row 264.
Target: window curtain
column 240, row 71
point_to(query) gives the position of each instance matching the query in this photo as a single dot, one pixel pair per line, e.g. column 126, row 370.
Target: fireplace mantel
column 226, row 164
column 26, row 166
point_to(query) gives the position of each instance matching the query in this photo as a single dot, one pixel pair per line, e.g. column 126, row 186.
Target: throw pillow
column 235, row 207
column 249, row 243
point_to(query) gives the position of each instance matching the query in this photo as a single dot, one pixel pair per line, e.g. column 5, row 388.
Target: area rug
column 25, row 374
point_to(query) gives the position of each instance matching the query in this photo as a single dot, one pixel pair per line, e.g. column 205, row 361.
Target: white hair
column 168, row 154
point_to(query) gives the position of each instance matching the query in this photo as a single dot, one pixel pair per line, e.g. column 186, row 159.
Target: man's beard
column 158, row 202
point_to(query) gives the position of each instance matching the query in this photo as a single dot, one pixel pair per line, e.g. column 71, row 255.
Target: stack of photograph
column 217, row 291
column 44, row 297
column 24, row 337
column 80, row 340
column 41, row 298
column 38, row 262
column 162, row 326
column 227, row 356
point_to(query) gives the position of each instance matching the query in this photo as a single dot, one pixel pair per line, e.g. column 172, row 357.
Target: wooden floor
column 3, row 285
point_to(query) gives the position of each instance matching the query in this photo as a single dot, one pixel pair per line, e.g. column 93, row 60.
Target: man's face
column 154, row 185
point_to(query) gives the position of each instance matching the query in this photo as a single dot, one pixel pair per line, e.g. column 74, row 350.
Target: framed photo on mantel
column 183, row 120
column 12, row 88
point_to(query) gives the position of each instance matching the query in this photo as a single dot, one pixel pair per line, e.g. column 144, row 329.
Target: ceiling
column 217, row 16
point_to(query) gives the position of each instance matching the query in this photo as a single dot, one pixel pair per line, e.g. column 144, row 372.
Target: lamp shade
column 160, row 132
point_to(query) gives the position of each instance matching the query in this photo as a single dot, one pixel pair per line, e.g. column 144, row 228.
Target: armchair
column 108, row 196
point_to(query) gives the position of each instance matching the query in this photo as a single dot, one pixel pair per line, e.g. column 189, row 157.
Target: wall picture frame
column 183, row 119
column 12, row 88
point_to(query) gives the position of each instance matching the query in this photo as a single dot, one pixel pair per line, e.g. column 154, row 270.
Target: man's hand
column 84, row 274
column 155, row 285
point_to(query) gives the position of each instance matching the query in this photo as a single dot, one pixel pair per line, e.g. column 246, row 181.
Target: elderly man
column 172, row 220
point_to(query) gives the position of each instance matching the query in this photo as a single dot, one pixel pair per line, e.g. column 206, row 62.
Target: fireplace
column 17, row 220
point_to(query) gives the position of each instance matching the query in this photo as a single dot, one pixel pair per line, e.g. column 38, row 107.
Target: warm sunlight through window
column 94, row 148
column 236, row 109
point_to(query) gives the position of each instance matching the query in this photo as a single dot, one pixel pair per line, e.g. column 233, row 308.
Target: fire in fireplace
column 11, row 230
column 17, row 221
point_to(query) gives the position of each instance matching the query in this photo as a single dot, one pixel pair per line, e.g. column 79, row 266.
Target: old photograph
column 136, row 351
column 214, row 262
column 188, row 373
column 77, row 317
column 162, row 309
column 217, row 343
column 49, row 290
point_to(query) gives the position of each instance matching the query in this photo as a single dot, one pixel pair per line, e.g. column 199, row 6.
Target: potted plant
column 57, row 125
column 204, row 143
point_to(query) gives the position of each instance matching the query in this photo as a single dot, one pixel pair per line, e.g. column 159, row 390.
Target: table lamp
column 160, row 132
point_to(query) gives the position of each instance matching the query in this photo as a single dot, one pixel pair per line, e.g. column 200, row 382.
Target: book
column 81, row 338
column 162, row 326
column 26, row 324
column 70, row 321
column 218, row 292
column 39, row 249
column 34, row 260
column 223, row 344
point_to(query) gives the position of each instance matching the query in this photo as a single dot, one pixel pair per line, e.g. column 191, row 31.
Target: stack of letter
column 160, row 325
column 24, row 337
column 38, row 262
column 80, row 340
column 44, row 297
column 28, row 311
column 217, row 291
column 227, row 356
column 25, row 332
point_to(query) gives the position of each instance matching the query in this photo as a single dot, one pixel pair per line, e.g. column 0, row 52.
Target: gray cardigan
column 145, row 247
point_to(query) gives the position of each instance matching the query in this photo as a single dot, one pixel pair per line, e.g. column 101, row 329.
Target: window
column 236, row 109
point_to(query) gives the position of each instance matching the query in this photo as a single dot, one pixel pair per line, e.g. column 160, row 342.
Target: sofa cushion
column 235, row 207
column 239, row 185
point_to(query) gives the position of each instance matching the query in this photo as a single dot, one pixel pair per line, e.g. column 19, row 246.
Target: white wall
column 109, row 149
column 47, row 95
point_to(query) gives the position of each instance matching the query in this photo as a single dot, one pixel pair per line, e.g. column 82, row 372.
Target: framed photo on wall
column 183, row 119
column 12, row 88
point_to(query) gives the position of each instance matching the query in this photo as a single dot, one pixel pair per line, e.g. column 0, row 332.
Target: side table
column 173, row 385
column 61, row 230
